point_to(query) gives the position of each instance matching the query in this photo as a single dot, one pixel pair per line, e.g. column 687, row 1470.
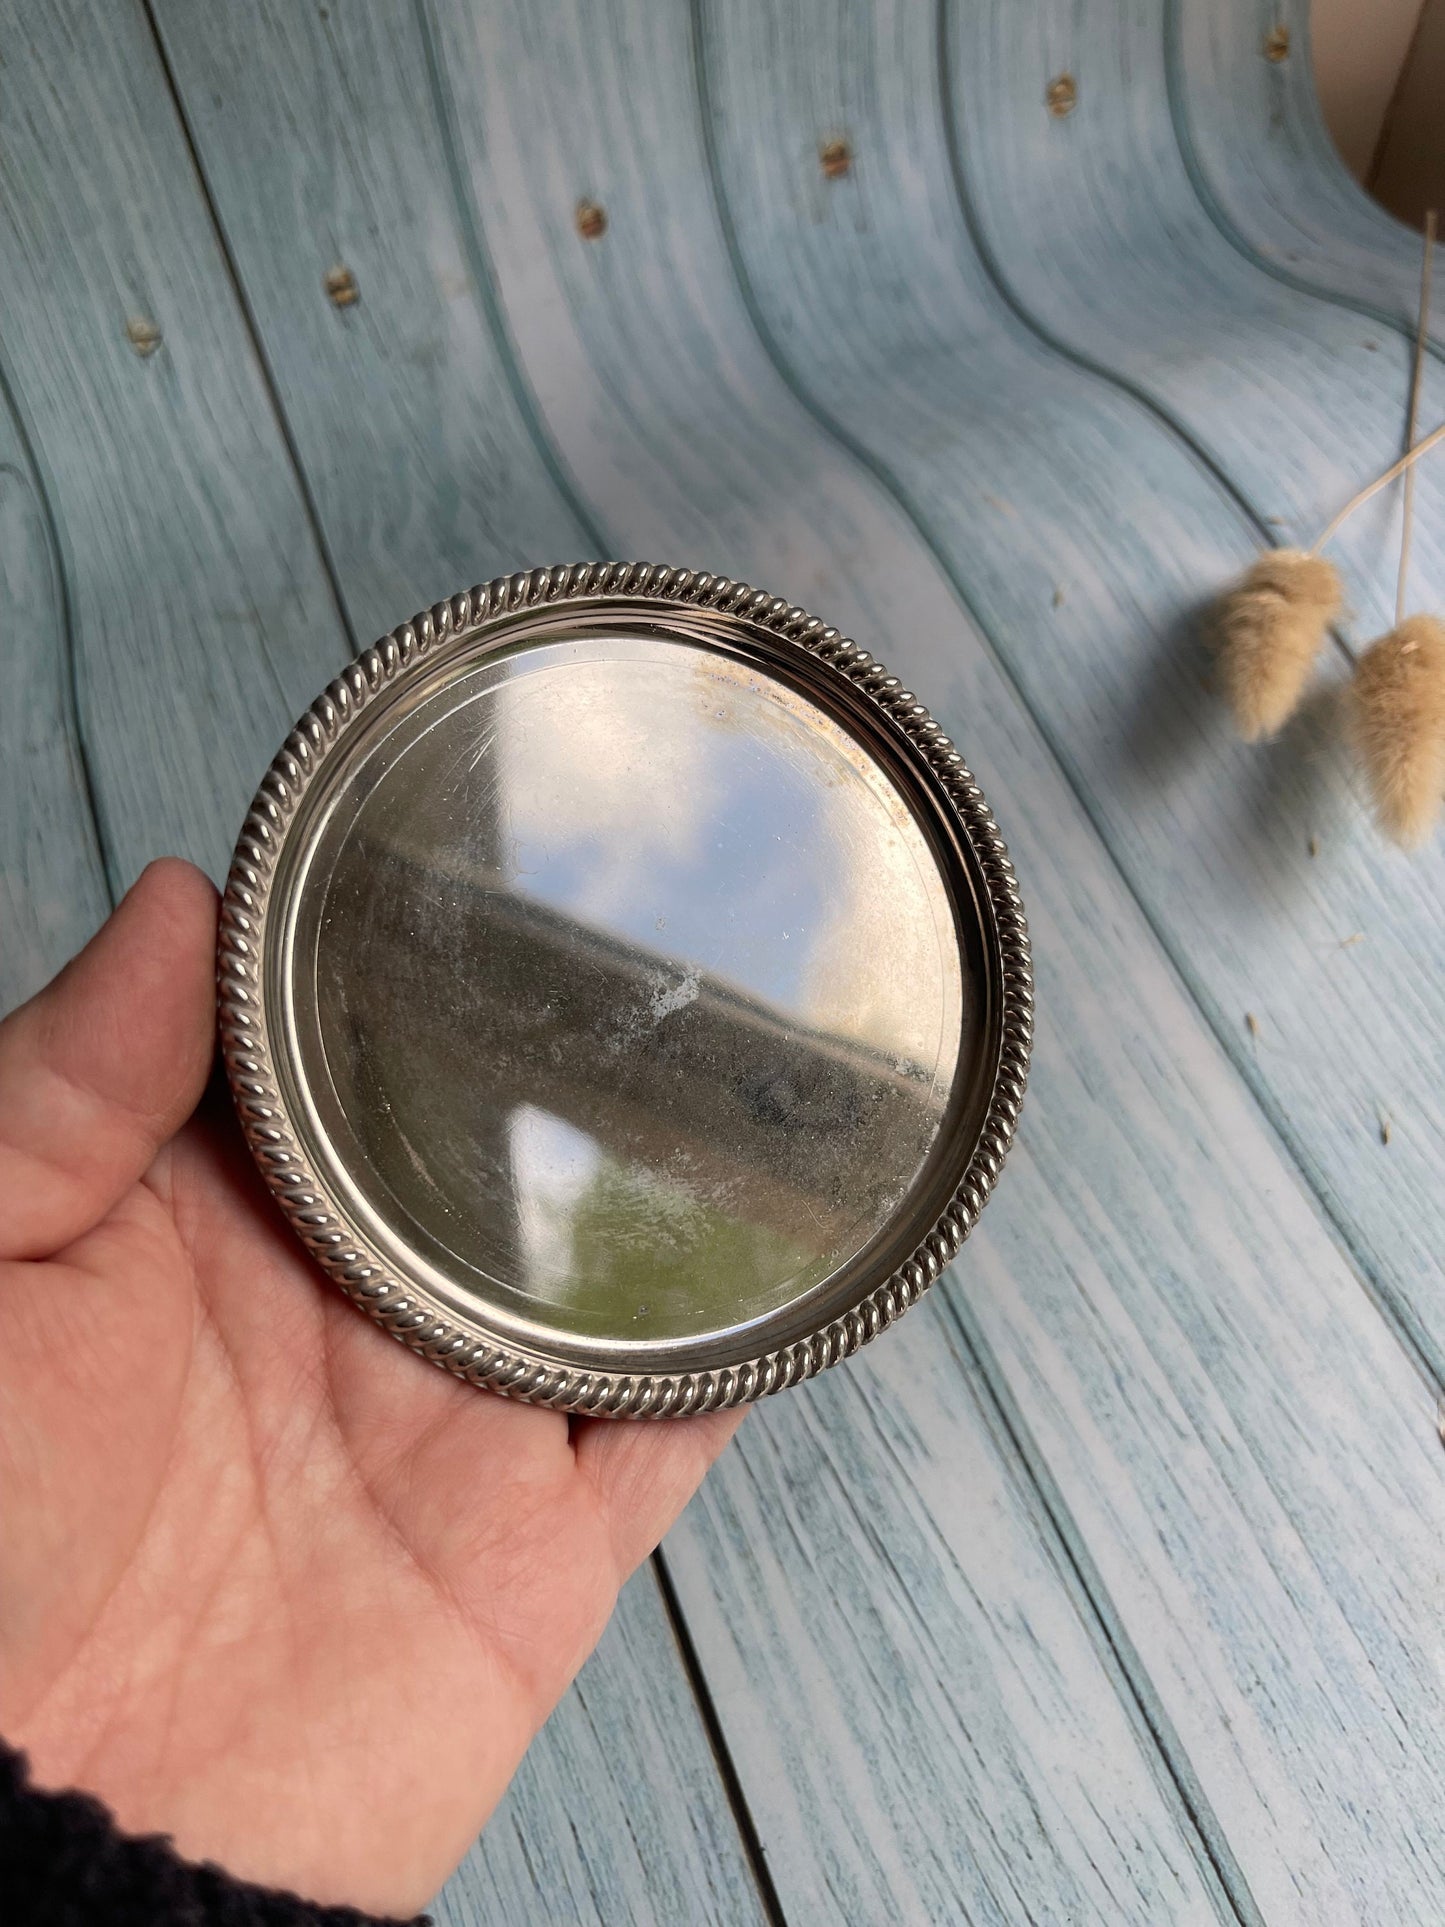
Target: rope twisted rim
column 315, row 1216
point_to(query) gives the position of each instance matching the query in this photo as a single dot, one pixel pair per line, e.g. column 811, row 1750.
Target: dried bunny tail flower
column 1399, row 726
column 1269, row 628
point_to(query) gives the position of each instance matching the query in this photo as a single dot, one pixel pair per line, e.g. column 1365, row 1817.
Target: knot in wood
column 835, row 157
column 143, row 335
column 341, row 286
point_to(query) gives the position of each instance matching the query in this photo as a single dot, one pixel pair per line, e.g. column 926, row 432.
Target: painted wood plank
column 201, row 618
column 418, row 454
column 1098, row 233
column 203, row 622
column 1145, row 1852
column 52, row 881
column 582, row 1835
column 904, row 1679
column 1013, row 504
column 1262, row 158
column 900, row 1338
column 1157, row 1297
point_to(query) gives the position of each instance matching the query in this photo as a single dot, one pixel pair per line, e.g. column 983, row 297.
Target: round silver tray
column 624, row 990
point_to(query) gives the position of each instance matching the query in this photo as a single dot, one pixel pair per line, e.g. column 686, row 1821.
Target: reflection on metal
column 726, row 1113
column 627, row 999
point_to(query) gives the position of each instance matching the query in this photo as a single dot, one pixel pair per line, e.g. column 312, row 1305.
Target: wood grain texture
column 1095, row 229
column 203, row 622
column 1253, row 135
column 1106, row 1588
column 1154, row 1276
column 418, row 455
column 1097, row 612
column 201, row 618
column 903, row 1661
column 1097, row 232
column 586, row 1834
column 52, row 881
column 1144, row 1850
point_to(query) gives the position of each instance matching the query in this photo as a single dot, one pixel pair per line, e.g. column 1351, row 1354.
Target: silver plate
column 624, row 990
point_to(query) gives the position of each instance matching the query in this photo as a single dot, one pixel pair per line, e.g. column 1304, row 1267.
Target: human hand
column 268, row 1583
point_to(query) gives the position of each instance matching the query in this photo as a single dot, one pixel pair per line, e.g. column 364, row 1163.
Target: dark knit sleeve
column 64, row 1863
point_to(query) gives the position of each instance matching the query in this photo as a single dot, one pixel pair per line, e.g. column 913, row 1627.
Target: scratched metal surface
column 1109, row 1586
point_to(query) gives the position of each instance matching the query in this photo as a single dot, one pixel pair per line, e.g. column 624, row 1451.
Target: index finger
column 646, row 1471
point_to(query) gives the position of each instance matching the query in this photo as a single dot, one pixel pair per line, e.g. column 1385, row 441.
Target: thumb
column 107, row 1062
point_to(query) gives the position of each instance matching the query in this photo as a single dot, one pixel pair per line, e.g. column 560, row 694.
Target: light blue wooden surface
column 1263, row 163
column 201, row 619
column 1109, row 1586
column 52, row 880
column 1027, row 503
